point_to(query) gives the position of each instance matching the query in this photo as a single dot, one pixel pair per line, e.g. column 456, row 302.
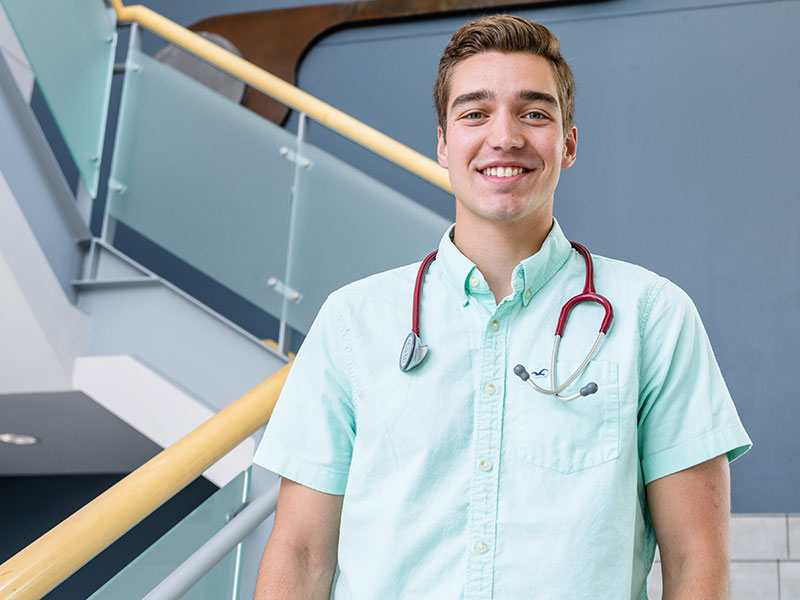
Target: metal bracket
column 294, row 157
column 116, row 187
column 284, row 290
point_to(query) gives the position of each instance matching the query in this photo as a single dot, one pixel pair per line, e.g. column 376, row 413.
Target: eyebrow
column 533, row 96
column 526, row 95
column 475, row 96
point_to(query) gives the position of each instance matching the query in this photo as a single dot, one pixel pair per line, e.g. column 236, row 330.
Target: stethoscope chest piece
column 413, row 352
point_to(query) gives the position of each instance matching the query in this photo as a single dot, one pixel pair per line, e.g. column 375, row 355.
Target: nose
column 505, row 133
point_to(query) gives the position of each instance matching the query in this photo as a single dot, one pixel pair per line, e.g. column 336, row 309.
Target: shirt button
column 486, row 465
column 528, row 294
column 495, row 325
column 481, row 547
column 490, row 389
column 474, row 281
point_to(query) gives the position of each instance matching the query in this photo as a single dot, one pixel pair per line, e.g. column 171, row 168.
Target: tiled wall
column 765, row 558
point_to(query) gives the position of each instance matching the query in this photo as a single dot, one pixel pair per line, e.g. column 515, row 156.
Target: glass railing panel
column 204, row 178
column 151, row 567
column 71, row 45
column 345, row 226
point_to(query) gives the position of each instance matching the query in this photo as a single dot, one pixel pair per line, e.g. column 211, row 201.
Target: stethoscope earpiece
column 587, row 390
column 521, row 372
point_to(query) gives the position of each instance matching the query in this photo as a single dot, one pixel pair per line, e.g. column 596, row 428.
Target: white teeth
column 503, row 172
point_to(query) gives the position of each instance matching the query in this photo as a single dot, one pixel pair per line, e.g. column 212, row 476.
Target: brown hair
column 505, row 33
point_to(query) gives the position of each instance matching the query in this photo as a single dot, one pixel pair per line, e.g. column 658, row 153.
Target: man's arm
column 300, row 558
column 690, row 510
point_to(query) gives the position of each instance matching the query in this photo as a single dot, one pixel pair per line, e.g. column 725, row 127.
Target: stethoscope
column 414, row 352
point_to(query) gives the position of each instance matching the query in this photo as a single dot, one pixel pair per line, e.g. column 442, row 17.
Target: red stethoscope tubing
column 587, row 295
column 418, row 290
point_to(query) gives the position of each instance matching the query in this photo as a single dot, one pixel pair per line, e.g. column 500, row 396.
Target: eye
column 535, row 115
column 473, row 115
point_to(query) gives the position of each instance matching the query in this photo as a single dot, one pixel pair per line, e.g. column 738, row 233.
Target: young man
column 455, row 479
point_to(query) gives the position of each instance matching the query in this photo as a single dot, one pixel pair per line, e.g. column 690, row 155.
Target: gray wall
column 687, row 154
column 688, row 129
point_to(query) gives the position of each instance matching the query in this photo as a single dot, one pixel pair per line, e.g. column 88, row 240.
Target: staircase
column 93, row 325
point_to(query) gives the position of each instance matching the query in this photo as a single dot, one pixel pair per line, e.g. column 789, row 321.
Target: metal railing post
column 214, row 550
column 285, row 333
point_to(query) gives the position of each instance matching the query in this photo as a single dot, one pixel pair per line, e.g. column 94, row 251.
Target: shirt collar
column 528, row 277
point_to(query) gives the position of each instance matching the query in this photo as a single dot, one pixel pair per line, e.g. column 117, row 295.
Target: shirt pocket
column 570, row 436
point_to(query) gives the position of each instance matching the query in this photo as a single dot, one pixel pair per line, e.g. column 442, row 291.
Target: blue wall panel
column 686, row 164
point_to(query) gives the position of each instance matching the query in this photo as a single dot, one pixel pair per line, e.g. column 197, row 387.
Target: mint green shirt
column 459, row 480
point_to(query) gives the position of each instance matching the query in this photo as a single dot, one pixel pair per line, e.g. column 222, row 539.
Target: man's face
column 505, row 146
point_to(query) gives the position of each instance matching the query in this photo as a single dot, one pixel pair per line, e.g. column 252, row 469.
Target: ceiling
column 76, row 435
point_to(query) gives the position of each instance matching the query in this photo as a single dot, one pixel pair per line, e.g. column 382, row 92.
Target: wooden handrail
column 290, row 95
column 46, row 562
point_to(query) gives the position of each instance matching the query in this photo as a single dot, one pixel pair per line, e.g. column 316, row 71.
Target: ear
column 570, row 148
column 441, row 147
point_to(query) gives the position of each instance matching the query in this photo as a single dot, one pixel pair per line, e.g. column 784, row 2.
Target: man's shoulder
column 391, row 289
column 384, row 283
column 618, row 267
column 636, row 278
column 647, row 291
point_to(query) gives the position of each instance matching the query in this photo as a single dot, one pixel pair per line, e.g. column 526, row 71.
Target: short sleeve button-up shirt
column 459, row 480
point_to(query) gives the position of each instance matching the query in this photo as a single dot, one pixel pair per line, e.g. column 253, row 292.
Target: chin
column 503, row 217
column 502, row 210
column 508, row 214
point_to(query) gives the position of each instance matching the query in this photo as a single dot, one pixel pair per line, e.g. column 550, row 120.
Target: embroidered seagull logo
column 541, row 373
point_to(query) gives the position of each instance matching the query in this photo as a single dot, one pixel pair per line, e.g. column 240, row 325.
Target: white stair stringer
column 42, row 331
column 136, row 313
column 153, row 406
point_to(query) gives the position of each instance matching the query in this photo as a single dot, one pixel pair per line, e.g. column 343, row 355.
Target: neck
column 497, row 248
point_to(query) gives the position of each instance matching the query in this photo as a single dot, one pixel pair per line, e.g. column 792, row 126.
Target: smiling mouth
column 504, row 171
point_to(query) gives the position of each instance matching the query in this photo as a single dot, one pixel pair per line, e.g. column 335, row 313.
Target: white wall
column 15, row 57
column 41, row 329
